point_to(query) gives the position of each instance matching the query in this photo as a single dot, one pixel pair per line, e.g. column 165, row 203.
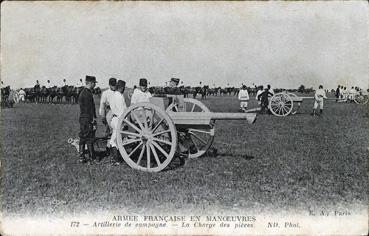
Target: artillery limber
column 151, row 134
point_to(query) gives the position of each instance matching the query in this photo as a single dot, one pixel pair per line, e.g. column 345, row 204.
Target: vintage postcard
column 189, row 118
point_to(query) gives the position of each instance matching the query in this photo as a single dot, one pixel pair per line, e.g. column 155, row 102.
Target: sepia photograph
column 184, row 117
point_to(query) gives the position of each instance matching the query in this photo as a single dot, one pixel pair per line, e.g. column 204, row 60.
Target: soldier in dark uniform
column 173, row 87
column 87, row 120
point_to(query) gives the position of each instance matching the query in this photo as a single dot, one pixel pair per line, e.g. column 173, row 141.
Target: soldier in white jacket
column 118, row 106
column 243, row 97
column 319, row 100
column 141, row 94
column 104, row 109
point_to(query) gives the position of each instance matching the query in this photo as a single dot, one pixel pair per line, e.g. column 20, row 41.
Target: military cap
column 175, row 80
column 112, row 81
column 90, row 78
column 121, row 84
column 143, row 82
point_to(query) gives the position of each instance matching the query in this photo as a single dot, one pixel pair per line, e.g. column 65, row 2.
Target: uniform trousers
column 114, row 126
column 87, row 133
column 243, row 104
column 318, row 102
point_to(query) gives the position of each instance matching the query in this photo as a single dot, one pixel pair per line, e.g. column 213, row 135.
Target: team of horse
column 69, row 94
column 205, row 91
column 62, row 95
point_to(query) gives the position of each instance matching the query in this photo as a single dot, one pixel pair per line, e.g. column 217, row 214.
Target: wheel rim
column 201, row 138
column 146, row 137
column 281, row 104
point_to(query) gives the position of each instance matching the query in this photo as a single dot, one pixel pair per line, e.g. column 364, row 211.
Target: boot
column 321, row 111
column 81, row 153
column 107, row 151
column 91, row 152
column 115, row 161
column 313, row 114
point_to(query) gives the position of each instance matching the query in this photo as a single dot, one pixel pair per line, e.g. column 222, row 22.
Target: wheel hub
column 146, row 137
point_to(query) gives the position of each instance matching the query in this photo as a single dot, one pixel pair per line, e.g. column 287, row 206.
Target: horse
column 30, row 95
column 68, row 93
column 52, row 94
column 252, row 91
column 59, row 94
column 184, row 90
column 203, row 91
column 5, row 96
column 196, row 91
column 44, row 94
column 37, row 92
column 76, row 92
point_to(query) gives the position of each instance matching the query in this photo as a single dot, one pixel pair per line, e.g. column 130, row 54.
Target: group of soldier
column 112, row 106
column 344, row 94
column 263, row 96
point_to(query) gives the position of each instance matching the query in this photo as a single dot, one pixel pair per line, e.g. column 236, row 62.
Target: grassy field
column 294, row 163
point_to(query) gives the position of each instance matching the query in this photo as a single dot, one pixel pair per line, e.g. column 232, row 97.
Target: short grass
column 297, row 163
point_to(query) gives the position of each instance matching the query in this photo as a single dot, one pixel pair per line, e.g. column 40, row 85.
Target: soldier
column 118, row 106
column 104, row 109
column 48, row 84
column 338, row 92
column 270, row 89
column 37, row 89
column 319, row 98
column 243, row 97
column 260, row 91
column 173, row 89
column 22, row 95
column 344, row 94
column 352, row 93
column 173, row 86
column 264, row 97
column 141, row 94
column 87, row 120
column 79, row 83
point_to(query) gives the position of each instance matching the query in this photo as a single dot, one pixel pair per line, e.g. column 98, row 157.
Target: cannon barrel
column 250, row 117
column 203, row 118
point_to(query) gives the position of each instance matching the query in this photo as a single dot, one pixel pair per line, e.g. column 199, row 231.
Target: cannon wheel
column 281, row 104
column 361, row 99
column 146, row 137
column 204, row 136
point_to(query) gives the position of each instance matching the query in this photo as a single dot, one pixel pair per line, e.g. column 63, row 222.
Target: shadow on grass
column 176, row 163
column 213, row 153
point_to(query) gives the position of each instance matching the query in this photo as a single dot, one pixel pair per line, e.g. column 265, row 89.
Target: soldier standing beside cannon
column 87, row 120
column 141, row 94
column 319, row 99
column 117, row 106
column 104, row 109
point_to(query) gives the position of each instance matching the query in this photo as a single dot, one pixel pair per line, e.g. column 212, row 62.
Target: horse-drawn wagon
column 151, row 134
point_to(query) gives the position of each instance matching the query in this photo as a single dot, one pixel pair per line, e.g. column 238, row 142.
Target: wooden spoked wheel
column 361, row 98
column 201, row 137
column 146, row 137
column 281, row 104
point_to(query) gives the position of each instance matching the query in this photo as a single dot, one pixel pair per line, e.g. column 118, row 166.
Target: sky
column 284, row 44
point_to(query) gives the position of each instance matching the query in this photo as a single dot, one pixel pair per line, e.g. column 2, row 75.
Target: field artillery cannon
column 151, row 134
column 283, row 104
